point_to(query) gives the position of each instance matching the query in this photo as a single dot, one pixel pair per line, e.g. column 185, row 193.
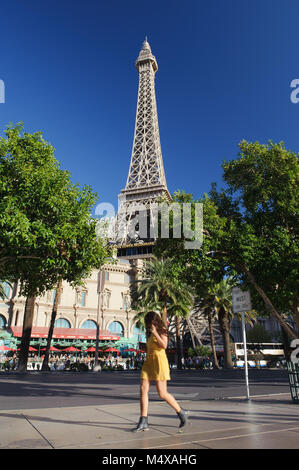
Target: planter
column 293, row 372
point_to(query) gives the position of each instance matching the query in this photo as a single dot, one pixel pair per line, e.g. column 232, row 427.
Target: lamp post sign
column 241, row 304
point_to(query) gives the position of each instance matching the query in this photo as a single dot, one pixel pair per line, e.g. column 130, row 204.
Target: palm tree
column 141, row 305
column 206, row 306
column 160, row 291
column 158, row 287
column 222, row 299
column 142, row 308
column 180, row 309
column 211, row 315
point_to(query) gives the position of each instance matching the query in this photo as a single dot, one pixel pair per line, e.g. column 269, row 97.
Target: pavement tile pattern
column 265, row 422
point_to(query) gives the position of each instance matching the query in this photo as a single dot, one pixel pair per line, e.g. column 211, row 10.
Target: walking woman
column 156, row 368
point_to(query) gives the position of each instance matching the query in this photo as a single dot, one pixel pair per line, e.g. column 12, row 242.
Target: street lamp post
column 127, row 308
column 96, row 357
column 101, row 284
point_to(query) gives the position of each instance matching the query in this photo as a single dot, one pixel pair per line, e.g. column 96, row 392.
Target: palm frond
column 160, row 286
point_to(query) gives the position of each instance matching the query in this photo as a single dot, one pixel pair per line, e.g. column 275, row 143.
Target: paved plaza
column 263, row 423
column 98, row 411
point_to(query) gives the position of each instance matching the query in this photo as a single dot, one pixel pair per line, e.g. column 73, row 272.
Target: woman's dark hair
column 153, row 318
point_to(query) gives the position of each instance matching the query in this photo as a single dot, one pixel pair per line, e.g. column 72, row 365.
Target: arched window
column 6, row 288
column 116, row 328
column 2, row 322
column 62, row 323
column 89, row 324
column 139, row 334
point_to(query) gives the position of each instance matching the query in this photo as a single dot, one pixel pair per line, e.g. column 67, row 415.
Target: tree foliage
column 159, row 289
column 46, row 230
column 260, row 205
column 250, row 232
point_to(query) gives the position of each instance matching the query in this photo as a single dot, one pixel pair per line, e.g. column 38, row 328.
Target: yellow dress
column 156, row 365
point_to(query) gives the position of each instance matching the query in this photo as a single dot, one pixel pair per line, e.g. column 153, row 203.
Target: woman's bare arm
column 162, row 340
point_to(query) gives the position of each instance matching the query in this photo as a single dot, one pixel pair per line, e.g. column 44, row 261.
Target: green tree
column 178, row 310
column 160, row 290
column 47, row 233
column 203, row 351
column 158, row 286
column 223, row 306
column 203, row 270
column 141, row 305
column 258, row 334
column 190, row 352
column 206, row 306
column 260, row 243
column 251, row 224
column 196, row 267
column 222, row 298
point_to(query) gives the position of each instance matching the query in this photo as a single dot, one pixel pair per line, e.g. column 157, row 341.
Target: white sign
column 241, row 300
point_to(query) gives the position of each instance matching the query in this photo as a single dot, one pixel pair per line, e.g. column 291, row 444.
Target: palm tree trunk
column 45, row 366
column 26, row 335
column 286, row 344
column 213, row 346
column 178, row 342
column 224, row 323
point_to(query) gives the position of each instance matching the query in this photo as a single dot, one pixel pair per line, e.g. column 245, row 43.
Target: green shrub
column 190, row 352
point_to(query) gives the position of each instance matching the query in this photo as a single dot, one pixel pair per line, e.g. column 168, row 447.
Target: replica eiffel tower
column 146, row 183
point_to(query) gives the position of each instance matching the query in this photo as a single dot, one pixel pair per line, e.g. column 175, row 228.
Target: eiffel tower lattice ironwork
column 146, row 181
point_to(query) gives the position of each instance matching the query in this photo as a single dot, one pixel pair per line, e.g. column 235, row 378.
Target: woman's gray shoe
column 183, row 415
column 142, row 425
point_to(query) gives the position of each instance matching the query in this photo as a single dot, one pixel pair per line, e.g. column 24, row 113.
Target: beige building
column 105, row 298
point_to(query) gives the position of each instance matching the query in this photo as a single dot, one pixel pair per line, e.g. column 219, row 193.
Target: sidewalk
column 266, row 422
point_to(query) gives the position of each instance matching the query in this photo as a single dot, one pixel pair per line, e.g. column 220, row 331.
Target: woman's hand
column 154, row 330
column 161, row 339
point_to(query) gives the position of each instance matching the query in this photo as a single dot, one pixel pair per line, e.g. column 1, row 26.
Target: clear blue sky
column 225, row 68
